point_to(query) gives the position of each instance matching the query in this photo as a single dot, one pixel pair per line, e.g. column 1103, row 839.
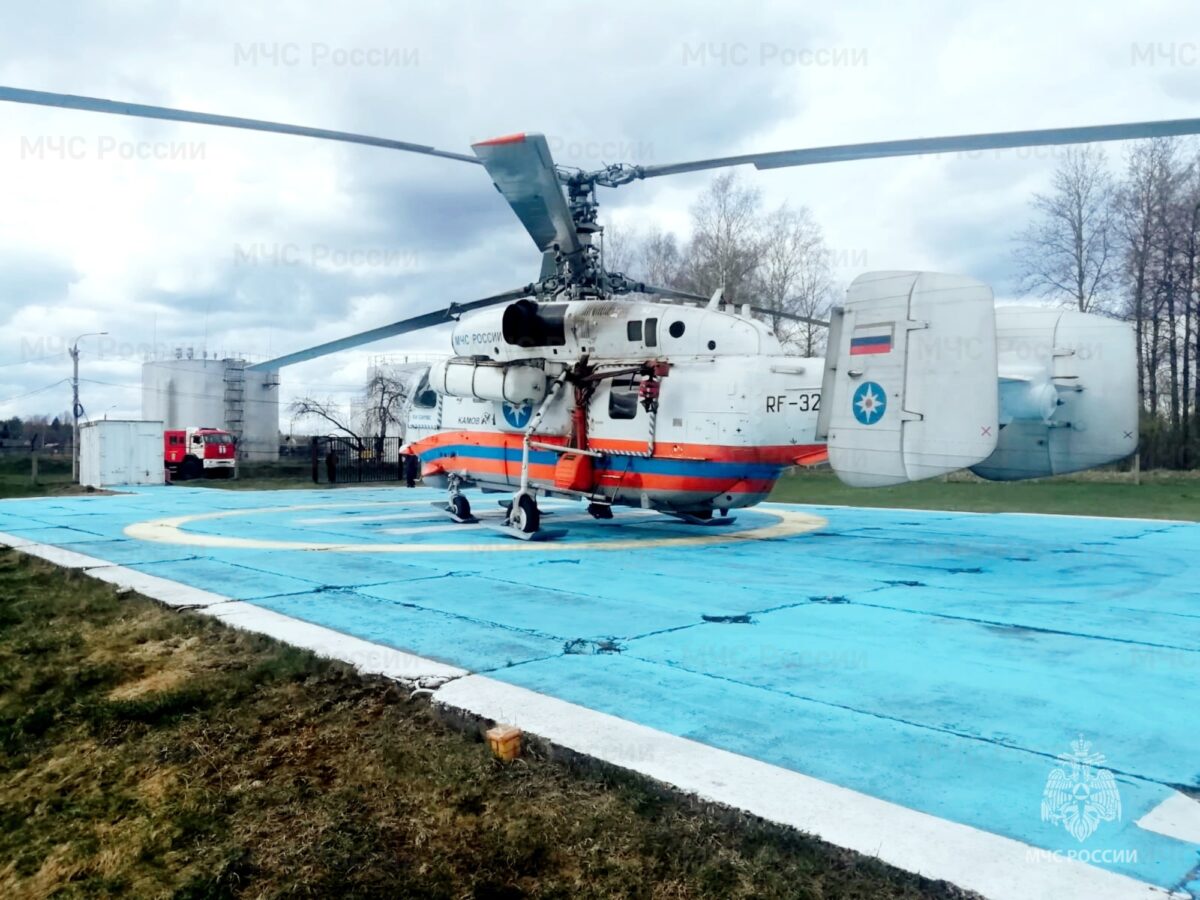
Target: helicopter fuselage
column 650, row 410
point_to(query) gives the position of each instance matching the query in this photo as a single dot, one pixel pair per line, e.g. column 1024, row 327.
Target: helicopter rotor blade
column 689, row 297
column 791, row 317
column 113, row 107
column 671, row 293
column 404, row 326
column 963, row 143
column 523, row 171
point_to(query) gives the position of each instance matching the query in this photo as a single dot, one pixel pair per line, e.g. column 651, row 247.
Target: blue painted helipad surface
column 940, row 661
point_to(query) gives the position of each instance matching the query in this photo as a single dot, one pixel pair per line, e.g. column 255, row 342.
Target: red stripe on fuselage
column 782, row 454
column 614, row 478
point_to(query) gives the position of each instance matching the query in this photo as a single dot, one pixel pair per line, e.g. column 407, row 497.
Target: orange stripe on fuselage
column 781, row 454
column 615, row 476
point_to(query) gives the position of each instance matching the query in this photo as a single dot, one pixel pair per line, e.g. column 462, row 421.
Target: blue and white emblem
column 1080, row 793
column 518, row 415
column 869, row 403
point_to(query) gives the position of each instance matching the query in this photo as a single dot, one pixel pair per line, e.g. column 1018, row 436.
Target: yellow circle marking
column 170, row 531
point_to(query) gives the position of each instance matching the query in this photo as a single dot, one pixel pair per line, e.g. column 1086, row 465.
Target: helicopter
column 588, row 384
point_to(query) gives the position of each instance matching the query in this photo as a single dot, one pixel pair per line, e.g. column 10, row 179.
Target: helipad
column 903, row 683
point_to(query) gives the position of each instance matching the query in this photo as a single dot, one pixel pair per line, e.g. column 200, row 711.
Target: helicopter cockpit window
column 633, row 330
column 425, row 397
column 652, row 332
column 623, row 398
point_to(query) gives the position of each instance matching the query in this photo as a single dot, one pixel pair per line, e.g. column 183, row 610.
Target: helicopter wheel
column 525, row 516
column 460, row 506
column 600, row 511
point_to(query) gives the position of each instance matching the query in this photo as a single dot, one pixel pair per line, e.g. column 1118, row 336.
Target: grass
column 155, row 753
column 1161, row 495
column 286, row 474
column 54, row 476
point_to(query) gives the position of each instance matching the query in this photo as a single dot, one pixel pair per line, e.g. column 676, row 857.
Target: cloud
column 171, row 235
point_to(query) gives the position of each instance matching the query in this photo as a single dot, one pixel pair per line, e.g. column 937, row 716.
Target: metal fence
column 345, row 460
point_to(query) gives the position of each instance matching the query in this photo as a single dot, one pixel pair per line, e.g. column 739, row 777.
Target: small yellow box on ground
column 505, row 741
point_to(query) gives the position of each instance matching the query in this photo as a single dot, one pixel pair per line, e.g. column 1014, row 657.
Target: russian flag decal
column 871, row 339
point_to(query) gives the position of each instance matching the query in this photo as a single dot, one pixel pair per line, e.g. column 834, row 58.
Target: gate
column 346, row 460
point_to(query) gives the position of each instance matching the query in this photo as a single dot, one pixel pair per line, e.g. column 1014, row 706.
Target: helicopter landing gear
column 524, row 520
column 600, row 511
column 458, row 506
column 524, row 515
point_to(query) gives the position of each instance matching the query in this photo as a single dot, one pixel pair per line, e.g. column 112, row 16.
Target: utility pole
column 76, row 409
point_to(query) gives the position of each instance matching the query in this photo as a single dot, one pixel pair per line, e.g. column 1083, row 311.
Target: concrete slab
column 366, row 656
column 938, row 667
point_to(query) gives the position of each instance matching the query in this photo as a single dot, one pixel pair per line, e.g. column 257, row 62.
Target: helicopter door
column 910, row 388
column 616, row 412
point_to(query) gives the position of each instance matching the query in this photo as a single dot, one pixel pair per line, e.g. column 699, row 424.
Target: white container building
column 115, row 452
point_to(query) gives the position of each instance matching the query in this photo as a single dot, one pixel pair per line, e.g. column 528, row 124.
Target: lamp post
column 75, row 408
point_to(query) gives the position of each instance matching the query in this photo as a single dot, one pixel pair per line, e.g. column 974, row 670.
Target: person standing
column 411, row 469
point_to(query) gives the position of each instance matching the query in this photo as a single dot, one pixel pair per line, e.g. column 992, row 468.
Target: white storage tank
column 216, row 393
column 114, row 452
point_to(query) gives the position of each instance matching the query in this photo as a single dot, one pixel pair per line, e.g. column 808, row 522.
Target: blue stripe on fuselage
column 696, row 468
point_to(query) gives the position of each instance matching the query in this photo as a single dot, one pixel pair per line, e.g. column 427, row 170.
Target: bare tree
column 1138, row 217
column 727, row 242
column 1190, row 217
column 1170, row 267
column 329, row 412
column 385, row 399
column 621, row 246
column 778, row 260
column 794, row 276
column 1159, row 215
column 651, row 256
column 659, row 259
column 1067, row 252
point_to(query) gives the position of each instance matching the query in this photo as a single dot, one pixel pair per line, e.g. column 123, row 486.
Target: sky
column 172, row 235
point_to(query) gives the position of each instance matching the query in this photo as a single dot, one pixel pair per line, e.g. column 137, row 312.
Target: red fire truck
column 199, row 453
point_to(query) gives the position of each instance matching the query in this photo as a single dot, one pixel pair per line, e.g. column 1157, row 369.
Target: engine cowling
column 522, row 330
